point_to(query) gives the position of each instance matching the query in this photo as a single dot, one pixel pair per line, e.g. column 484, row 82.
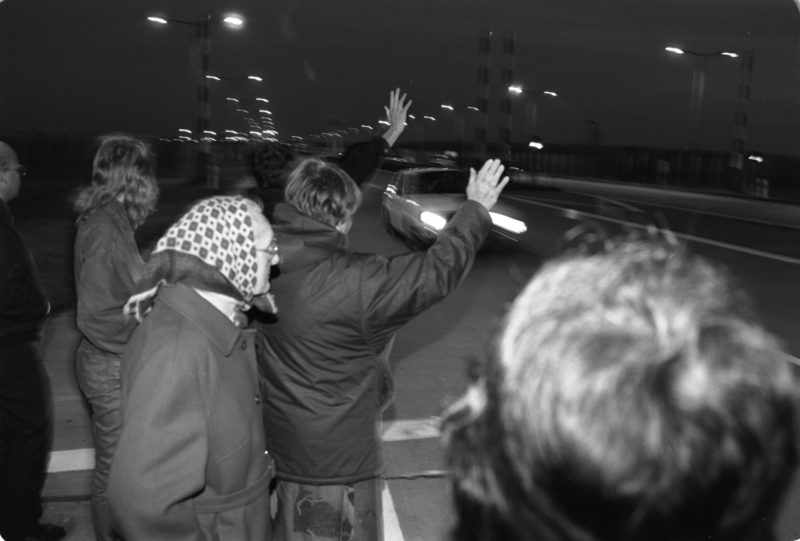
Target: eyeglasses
column 272, row 249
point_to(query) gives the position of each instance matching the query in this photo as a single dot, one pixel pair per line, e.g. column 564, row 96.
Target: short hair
column 631, row 396
column 270, row 162
column 323, row 191
column 122, row 165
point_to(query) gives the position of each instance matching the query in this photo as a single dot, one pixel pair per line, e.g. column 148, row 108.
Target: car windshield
column 450, row 182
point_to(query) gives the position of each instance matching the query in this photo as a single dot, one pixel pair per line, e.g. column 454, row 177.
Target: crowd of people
column 236, row 377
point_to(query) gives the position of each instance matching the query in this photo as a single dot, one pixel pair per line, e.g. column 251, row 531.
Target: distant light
column 255, row 78
column 385, row 122
column 232, row 131
column 432, row 219
column 233, row 20
column 412, row 117
column 255, row 133
column 242, row 111
column 471, row 108
column 367, row 127
column 515, row 89
column 508, row 223
column 265, row 100
column 536, row 144
column 232, row 99
column 756, row 158
column 729, row 54
column 550, row 93
column 265, row 111
column 296, row 138
column 159, row 20
column 214, row 77
column 674, row 50
column 209, row 132
column 448, row 107
column 428, row 117
column 184, row 130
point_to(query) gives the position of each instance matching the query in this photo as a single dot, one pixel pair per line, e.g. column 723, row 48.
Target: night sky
column 94, row 66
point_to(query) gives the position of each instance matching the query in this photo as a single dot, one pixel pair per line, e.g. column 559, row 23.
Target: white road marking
column 391, row 524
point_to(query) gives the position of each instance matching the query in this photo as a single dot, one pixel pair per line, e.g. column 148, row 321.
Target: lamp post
column 531, row 106
column 203, row 32
column 698, row 88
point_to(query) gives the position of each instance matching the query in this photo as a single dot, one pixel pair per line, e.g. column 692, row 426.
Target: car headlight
column 508, row 223
column 432, row 219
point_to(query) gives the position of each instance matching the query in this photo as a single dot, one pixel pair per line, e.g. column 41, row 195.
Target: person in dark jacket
column 630, row 395
column 123, row 192
column 321, row 363
column 272, row 161
column 24, row 417
column 190, row 461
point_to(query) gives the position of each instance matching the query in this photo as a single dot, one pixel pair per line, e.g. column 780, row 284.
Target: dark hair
column 270, row 162
column 323, row 191
column 123, row 165
column 630, row 396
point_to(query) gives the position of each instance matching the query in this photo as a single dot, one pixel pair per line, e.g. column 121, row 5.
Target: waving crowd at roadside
column 237, row 377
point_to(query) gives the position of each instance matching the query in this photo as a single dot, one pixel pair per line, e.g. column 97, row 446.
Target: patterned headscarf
column 211, row 247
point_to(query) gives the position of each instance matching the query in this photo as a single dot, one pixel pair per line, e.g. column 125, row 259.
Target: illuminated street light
column 203, row 30
column 531, row 105
column 698, row 88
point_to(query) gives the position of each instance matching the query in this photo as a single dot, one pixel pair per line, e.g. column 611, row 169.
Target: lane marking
column 391, row 523
column 571, row 213
column 401, row 430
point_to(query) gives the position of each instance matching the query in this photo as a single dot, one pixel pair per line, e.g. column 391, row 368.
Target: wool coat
column 190, row 463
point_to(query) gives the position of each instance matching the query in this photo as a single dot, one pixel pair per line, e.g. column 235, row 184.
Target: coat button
column 258, row 399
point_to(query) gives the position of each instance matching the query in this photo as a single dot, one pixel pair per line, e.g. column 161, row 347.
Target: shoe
column 46, row 532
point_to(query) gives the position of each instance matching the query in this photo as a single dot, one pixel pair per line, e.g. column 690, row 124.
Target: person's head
column 271, row 160
column 123, row 169
column 630, row 397
column 324, row 192
column 222, row 245
column 11, row 173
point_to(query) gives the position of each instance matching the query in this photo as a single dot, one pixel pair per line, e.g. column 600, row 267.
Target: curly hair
column 323, row 191
column 123, row 165
column 631, row 396
column 270, row 161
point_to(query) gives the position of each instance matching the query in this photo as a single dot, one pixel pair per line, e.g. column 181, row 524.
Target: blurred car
column 418, row 202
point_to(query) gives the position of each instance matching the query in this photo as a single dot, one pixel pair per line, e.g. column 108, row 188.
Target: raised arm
column 396, row 113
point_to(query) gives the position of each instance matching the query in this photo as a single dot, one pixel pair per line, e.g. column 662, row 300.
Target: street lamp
column 698, row 88
column 531, row 105
column 203, row 32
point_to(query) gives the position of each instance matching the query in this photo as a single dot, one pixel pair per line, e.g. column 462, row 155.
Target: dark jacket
column 23, row 305
column 107, row 266
column 318, row 363
column 190, row 461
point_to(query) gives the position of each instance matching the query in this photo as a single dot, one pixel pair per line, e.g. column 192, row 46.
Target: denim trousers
column 98, row 378
column 25, row 435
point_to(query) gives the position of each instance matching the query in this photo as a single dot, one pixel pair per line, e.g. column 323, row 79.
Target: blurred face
column 266, row 248
column 10, row 176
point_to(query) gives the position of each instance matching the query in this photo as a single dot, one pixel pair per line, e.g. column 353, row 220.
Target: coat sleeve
column 159, row 466
column 105, row 282
column 362, row 159
column 21, row 296
column 396, row 289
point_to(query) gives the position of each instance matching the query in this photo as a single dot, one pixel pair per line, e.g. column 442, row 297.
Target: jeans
column 25, row 425
column 98, row 378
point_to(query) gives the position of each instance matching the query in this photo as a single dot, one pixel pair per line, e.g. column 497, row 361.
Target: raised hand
column 485, row 185
column 396, row 113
